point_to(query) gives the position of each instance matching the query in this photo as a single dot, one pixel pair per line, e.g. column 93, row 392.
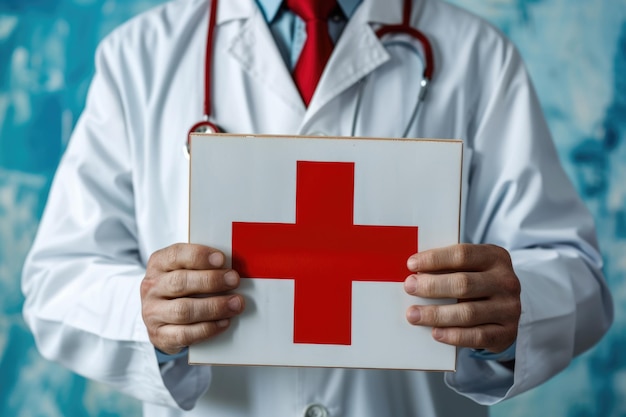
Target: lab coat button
column 316, row 410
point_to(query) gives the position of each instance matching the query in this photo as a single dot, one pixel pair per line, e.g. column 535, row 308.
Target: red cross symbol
column 323, row 252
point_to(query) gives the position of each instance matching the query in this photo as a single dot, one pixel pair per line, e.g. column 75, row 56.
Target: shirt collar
column 270, row 7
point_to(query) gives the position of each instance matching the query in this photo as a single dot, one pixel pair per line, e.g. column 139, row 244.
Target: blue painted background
column 576, row 53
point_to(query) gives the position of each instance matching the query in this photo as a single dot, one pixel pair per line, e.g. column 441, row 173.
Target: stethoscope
column 404, row 28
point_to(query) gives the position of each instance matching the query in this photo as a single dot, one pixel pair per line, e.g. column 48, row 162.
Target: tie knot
column 312, row 9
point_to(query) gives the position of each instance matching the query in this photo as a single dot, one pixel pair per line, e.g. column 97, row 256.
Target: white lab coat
column 121, row 193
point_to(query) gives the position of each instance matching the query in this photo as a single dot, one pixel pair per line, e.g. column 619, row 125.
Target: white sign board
column 320, row 230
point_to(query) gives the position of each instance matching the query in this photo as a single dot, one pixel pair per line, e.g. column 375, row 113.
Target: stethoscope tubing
column 207, row 126
column 421, row 95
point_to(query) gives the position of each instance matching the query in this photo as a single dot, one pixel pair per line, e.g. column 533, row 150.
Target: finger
column 460, row 285
column 462, row 257
column 468, row 314
column 492, row 337
column 186, row 256
column 197, row 310
column 171, row 338
column 185, row 283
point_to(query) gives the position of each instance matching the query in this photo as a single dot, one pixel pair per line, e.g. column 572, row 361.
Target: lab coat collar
column 372, row 11
column 254, row 48
column 387, row 12
column 358, row 52
column 229, row 10
column 270, row 8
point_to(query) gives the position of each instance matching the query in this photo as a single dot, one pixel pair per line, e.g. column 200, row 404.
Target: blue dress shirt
column 289, row 31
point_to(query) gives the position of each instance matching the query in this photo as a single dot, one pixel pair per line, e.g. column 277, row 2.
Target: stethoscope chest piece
column 201, row 127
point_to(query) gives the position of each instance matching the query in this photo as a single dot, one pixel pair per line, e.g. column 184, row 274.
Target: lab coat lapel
column 254, row 48
column 357, row 53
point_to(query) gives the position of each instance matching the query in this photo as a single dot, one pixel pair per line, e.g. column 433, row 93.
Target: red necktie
column 318, row 45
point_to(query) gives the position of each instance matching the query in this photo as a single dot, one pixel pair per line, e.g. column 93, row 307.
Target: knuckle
column 153, row 332
column 195, row 257
column 148, row 314
column 209, row 330
column 461, row 254
column 457, row 337
column 215, row 308
column 208, row 281
column 467, row 313
column 452, row 336
column 462, row 285
column 162, row 337
column 509, row 337
column 515, row 310
column 429, row 258
column 514, row 287
column 145, row 288
column 181, row 338
column 199, row 332
column 425, row 285
column 205, row 331
column 484, row 338
column 501, row 257
column 177, row 283
column 502, row 254
column 172, row 254
column 479, row 339
column 181, row 311
column 155, row 258
column 431, row 315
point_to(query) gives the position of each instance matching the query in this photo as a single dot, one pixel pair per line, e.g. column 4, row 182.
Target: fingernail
column 234, row 304
column 223, row 323
column 414, row 315
column 231, row 278
column 438, row 333
column 412, row 264
column 216, row 259
column 410, row 284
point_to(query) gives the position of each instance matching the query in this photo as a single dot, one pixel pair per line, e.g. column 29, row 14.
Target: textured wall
column 576, row 53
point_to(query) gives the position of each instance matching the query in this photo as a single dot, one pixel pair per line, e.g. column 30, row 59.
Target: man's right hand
column 182, row 296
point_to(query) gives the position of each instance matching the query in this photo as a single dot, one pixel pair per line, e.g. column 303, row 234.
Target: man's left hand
column 481, row 277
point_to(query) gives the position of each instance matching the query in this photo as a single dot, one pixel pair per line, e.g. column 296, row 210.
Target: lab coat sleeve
column 81, row 279
column 520, row 198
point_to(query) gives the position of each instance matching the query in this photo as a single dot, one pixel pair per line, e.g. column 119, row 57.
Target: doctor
column 108, row 288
